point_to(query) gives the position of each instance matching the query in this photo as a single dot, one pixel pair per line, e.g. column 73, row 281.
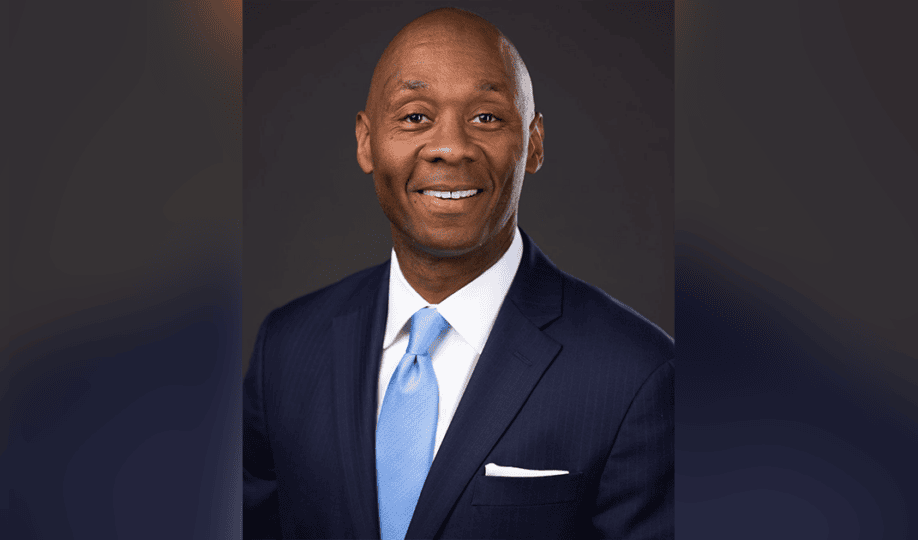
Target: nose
column 450, row 142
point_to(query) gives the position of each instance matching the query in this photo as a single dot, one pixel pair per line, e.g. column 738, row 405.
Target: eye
column 415, row 118
column 485, row 118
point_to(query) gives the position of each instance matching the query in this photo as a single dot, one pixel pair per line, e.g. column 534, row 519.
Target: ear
column 536, row 152
column 364, row 153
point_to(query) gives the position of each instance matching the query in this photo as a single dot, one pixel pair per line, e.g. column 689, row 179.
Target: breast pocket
column 508, row 491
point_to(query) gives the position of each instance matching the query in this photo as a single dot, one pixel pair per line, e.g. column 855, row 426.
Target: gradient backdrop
column 796, row 251
column 796, row 154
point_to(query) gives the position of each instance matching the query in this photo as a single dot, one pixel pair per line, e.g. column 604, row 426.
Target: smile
column 452, row 194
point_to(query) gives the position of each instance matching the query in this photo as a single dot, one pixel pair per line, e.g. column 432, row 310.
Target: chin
column 448, row 244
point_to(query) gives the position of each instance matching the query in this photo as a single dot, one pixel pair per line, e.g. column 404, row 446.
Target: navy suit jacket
column 569, row 379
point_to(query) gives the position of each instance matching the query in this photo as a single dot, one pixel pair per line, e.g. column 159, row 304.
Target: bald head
column 459, row 27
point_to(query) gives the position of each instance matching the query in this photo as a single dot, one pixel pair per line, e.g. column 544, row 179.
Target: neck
column 436, row 278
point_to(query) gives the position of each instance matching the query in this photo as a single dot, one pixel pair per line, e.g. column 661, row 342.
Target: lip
column 449, row 183
column 441, row 187
column 449, row 206
column 443, row 181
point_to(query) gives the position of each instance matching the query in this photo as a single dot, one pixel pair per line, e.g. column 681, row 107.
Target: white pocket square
column 515, row 472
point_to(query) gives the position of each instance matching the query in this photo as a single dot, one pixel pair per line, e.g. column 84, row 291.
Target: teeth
column 451, row 194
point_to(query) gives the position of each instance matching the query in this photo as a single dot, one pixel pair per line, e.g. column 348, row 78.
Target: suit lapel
column 357, row 337
column 515, row 356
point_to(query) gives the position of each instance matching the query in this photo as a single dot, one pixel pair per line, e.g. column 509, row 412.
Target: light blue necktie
column 407, row 427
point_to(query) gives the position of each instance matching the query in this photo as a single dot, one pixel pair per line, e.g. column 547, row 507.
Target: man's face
column 448, row 143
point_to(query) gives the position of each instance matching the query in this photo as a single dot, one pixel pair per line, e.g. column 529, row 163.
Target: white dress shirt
column 470, row 312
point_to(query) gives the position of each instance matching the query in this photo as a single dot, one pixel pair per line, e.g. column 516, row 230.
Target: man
column 467, row 388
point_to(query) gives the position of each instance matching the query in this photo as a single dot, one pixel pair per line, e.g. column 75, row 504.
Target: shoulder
column 591, row 318
column 318, row 308
column 588, row 323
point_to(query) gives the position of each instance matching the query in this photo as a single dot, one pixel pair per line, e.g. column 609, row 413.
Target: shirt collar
column 470, row 311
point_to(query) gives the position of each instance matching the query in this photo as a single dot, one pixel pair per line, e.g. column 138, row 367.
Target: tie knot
column 426, row 325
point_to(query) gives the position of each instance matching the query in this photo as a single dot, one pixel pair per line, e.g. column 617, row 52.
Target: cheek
column 397, row 154
column 522, row 150
column 509, row 151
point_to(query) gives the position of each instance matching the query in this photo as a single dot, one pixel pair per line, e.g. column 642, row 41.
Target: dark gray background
column 796, row 256
column 120, row 214
column 601, row 207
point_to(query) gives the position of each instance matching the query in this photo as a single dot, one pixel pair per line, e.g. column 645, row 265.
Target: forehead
column 445, row 61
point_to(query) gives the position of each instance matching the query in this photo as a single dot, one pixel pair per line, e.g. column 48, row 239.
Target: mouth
column 449, row 195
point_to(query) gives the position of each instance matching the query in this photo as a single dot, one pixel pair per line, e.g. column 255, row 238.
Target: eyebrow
column 488, row 86
column 413, row 85
column 482, row 86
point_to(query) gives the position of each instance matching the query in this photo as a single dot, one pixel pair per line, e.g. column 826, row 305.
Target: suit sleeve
column 636, row 492
column 259, row 483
